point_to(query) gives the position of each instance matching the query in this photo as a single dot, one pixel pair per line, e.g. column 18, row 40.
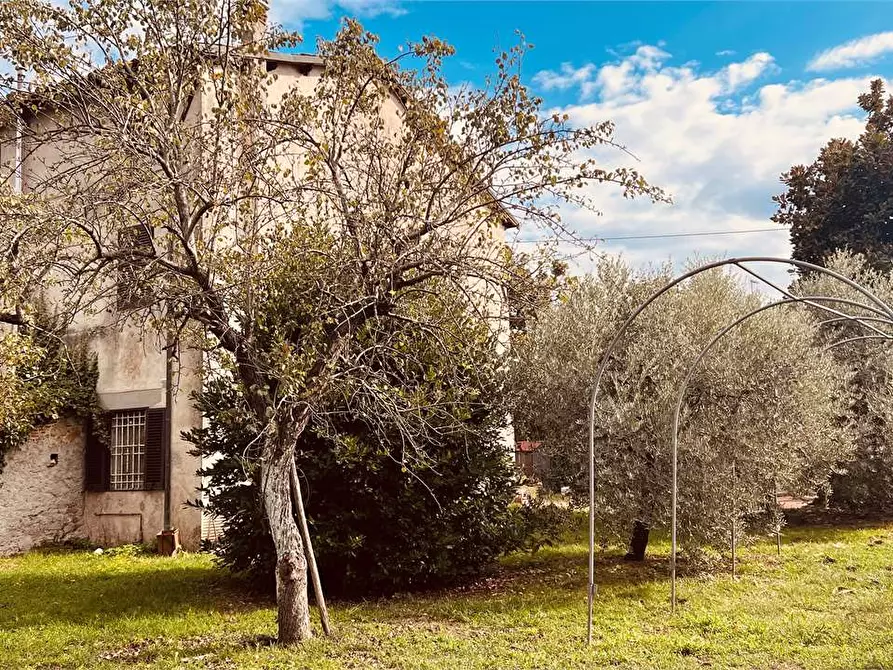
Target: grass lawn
column 825, row 603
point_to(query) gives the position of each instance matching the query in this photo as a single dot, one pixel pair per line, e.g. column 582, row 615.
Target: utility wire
column 654, row 237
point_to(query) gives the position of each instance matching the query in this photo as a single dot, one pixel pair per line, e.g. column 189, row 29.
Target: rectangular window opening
column 128, row 451
column 133, row 289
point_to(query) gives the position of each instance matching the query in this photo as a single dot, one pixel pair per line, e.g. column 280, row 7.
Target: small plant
column 130, row 550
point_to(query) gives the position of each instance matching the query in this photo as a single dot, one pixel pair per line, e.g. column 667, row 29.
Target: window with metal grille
column 138, row 438
column 128, row 451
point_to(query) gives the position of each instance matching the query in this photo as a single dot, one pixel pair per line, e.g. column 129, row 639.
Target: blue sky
column 574, row 31
column 715, row 99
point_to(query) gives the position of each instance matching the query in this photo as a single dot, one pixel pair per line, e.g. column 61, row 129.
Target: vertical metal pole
column 734, row 564
column 591, row 590
column 778, row 521
column 734, row 522
column 673, row 529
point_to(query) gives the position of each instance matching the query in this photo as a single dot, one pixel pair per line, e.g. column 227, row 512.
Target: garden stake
column 733, row 519
column 308, row 550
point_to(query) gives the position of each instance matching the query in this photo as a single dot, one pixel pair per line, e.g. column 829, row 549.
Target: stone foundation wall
column 41, row 502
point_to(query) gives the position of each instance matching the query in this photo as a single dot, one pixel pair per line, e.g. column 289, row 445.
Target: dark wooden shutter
column 139, row 237
column 156, row 443
column 133, row 291
column 97, row 457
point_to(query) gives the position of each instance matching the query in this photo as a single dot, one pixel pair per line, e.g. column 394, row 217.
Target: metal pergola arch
column 690, row 374
column 881, row 309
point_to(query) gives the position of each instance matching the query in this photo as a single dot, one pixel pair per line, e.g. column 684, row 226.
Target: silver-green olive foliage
column 765, row 399
column 862, row 483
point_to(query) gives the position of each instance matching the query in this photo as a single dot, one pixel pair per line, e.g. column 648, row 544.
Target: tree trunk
column 638, row 542
column 291, row 562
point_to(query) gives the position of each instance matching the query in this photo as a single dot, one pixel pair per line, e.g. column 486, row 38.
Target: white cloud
column 741, row 74
column 567, row 77
column 607, row 80
column 853, row 53
column 293, row 13
column 716, row 140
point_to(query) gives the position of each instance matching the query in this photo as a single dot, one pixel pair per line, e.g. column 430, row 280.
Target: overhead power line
column 665, row 235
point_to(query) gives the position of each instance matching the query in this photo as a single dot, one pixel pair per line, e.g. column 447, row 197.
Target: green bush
column 377, row 527
column 538, row 523
column 44, row 377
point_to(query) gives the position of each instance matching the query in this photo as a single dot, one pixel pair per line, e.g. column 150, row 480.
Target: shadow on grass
column 54, row 593
column 82, row 589
column 546, row 581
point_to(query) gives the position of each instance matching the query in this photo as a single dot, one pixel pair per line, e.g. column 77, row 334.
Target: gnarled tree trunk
column 291, row 562
column 638, row 542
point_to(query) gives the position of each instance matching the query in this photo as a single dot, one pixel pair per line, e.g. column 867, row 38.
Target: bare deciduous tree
column 276, row 220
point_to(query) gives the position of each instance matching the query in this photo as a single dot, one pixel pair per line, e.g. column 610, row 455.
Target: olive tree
column 862, row 483
column 763, row 404
column 279, row 225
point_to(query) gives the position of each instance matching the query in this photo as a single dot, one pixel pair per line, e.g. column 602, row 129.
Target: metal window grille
column 128, row 446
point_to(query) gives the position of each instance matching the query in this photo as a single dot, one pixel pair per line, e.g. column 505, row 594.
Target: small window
column 133, row 283
column 125, row 451
column 128, row 451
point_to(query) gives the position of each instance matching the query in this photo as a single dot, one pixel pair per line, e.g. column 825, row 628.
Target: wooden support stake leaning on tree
column 308, row 550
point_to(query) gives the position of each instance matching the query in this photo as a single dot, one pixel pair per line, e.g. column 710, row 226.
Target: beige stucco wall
column 132, row 367
column 121, row 517
column 184, row 480
column 40, row 502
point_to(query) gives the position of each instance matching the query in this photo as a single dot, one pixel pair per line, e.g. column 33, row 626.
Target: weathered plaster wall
column 123, row 517
column 131, row 364
column 184, row 480
column 130, row 359
column 40, row 503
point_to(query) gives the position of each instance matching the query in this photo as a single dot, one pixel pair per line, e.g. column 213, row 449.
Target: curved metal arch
column 856, row 339
column 683, row 387
column 876, row 319
column 830, row 310
column 622, row 330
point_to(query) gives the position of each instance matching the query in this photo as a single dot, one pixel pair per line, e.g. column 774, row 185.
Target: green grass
column 825, row 603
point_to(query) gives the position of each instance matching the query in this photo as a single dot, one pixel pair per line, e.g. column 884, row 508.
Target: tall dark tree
column 844, row 200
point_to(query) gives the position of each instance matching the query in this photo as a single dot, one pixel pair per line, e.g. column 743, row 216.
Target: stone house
column 62, row 485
